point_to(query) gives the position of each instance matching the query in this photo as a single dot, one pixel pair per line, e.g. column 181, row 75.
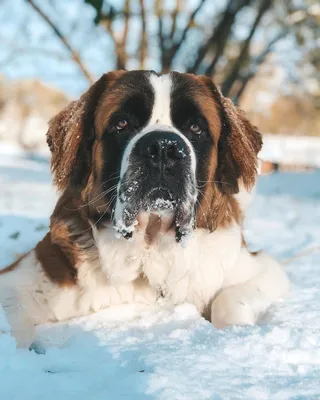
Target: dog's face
column 138, row 144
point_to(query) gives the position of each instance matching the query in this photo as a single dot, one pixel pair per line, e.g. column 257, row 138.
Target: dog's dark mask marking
column 89, row 138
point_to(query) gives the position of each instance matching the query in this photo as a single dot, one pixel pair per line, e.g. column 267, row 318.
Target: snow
column 163, row 204
column 296, row 150
column 164, row 352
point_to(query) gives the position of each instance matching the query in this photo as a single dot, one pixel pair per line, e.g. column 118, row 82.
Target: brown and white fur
column 155, row 174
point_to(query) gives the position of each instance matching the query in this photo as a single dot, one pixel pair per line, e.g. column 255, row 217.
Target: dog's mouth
column 158, row 210
column 158, row 199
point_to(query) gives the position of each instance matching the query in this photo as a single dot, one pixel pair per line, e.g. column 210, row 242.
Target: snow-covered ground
column 168, row 353
column 294, row 150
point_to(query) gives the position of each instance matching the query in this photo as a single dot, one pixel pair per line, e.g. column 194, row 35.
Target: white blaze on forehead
column 161, row 108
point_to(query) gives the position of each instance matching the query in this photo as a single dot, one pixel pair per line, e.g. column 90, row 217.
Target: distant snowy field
column 168, row 353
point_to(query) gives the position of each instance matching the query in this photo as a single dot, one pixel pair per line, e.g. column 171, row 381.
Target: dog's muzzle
column 159, row 178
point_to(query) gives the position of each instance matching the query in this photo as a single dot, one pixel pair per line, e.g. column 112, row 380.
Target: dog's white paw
column 229, row 309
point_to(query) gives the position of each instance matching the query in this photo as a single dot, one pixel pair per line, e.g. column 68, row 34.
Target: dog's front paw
column 229, row 309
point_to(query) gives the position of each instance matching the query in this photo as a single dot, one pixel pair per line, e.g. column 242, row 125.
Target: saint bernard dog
column 154, row 174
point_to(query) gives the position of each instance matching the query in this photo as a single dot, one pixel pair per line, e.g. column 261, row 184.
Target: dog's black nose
column 162, row 147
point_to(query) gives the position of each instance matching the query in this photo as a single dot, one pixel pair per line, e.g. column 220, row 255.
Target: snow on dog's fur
column 155, row 174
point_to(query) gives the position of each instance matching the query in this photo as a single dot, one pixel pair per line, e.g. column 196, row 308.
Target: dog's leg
column 253, row 286
column 22, row 327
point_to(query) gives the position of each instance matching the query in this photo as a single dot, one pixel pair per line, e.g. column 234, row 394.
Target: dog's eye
column 194, row 128
column 122, row 124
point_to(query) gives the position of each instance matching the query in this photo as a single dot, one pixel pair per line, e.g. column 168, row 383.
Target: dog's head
column 137, row 144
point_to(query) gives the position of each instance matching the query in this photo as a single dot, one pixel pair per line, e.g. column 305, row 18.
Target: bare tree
column 216, row 51
column 75, row 56
column 173, row 39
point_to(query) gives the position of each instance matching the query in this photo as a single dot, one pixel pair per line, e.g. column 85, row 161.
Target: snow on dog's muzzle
column 160, row 179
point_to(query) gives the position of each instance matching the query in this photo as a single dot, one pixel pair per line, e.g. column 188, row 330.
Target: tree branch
column 144, row 41
column 174, row 16
column 220, row 33
column 175, row 48
column 74, row 55
column 115, row 14
column 232, row 77
column 126, row 22
column 108, row 25
column 118, row 49
column 121, row 46
column 255, row 63
column 159, row 14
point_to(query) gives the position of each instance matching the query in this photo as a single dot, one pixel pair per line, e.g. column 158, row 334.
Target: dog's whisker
column 97, row 198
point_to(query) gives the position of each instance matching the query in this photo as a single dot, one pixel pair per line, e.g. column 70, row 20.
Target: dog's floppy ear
column 238, row 146
column 70, row 138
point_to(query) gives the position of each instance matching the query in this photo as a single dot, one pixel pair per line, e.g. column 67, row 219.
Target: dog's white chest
column 192, row 272
column 131, row 272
